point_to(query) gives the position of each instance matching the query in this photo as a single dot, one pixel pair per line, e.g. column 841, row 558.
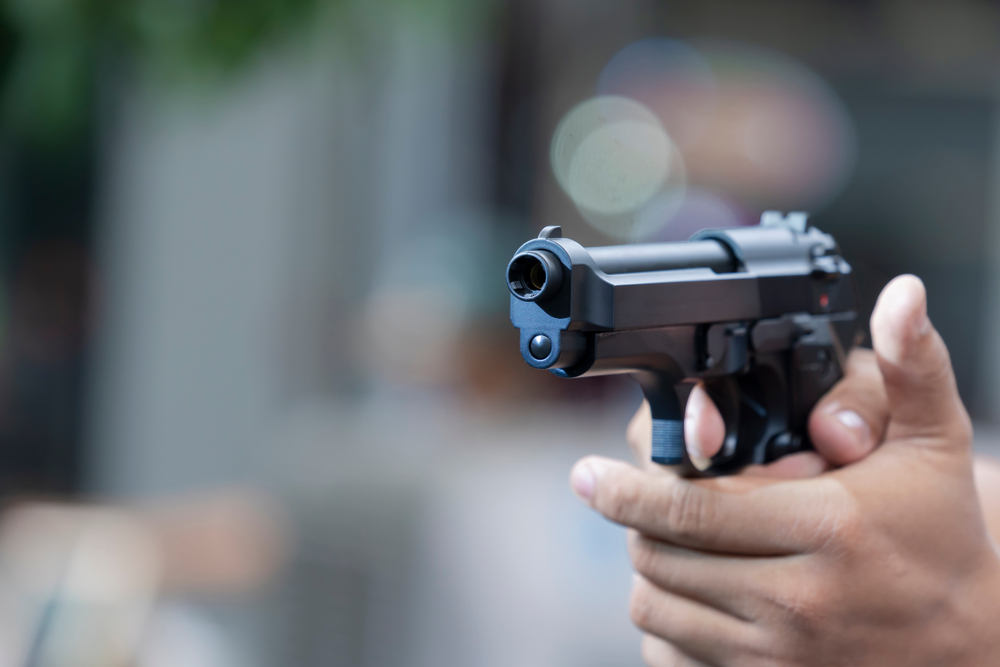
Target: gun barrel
column 644, row 257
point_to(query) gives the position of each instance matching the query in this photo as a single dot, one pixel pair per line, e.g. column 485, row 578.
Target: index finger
column 739, row 515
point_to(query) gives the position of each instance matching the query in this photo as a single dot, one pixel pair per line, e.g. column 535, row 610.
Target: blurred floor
column 452, row 533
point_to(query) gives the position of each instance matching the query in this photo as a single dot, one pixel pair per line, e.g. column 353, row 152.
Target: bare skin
column 872, row 551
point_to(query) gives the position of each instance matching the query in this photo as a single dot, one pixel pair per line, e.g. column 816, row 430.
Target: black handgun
column 762, row 315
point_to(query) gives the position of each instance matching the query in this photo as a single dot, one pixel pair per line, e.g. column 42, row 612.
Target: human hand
column 883, row 562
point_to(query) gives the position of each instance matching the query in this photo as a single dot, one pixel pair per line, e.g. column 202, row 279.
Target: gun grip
column 668, row 446
column 668, row 416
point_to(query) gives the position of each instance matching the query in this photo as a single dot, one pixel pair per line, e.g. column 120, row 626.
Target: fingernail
column 857, row 426
column 900, row 318
column 691, row 439
column 582, row 480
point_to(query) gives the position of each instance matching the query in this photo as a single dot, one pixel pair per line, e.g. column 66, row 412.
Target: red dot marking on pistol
column 824, row 301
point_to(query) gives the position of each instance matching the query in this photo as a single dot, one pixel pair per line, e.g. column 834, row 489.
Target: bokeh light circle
column 780, row 136
column 619, row 167
column 670, row 78
column 612, row 157
column 754, row 125
column 703, row 209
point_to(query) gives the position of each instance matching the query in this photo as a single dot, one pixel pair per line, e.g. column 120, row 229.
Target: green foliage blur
column 51, row 51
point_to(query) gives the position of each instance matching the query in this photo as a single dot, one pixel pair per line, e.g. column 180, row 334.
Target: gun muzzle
column 535, row 275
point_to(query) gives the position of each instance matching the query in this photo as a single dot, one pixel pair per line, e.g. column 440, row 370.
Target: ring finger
column 699, row 631
column 735, row 585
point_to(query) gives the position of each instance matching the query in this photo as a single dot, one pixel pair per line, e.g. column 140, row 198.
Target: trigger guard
column 741, row 405
column 725, row 394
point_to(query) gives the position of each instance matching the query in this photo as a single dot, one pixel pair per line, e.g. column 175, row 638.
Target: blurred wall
column 199, row 204
column 275, row 258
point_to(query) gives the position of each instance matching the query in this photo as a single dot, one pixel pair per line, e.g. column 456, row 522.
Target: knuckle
column 621, row 499
column 841, row 527
column 688, row 512
column 848, row 525
column 641, row 607
column 806, row 605
column 644, row 554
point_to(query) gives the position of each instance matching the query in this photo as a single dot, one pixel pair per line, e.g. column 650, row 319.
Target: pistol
column 762, row 315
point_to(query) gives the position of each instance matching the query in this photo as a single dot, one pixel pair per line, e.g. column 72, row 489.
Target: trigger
column 727, row 397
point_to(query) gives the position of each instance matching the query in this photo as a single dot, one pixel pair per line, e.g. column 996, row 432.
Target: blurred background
column 260, row 401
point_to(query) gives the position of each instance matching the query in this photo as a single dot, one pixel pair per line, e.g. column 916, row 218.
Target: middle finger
column 741, row 586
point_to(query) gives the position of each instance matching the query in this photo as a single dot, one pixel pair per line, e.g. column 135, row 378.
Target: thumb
column 919, row 381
